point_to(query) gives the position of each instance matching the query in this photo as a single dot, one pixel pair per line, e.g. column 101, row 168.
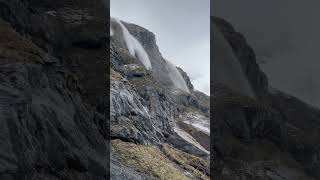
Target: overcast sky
column 285, row 31
column 182, row 29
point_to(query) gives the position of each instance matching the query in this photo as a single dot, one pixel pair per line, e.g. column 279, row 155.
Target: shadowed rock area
column 274, row 136
column 53, row 101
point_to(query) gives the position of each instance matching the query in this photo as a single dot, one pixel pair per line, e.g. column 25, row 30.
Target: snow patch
column 176, row 77
column 134, row 46
column 198, row 121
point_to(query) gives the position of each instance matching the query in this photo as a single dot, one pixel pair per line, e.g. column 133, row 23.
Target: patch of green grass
column 147, row 159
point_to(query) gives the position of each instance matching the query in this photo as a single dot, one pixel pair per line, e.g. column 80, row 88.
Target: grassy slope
column 164, row 163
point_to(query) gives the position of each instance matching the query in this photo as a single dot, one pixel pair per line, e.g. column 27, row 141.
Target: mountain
column 53, row 100
column 154, row 109
column 271, row 135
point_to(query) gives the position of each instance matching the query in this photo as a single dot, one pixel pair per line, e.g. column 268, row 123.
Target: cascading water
column 111, row 31
column 226, row 67
column 176, row 77
column 134, row 46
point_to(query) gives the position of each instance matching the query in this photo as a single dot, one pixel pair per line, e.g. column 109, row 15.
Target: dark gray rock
column 272, row 137
column 138, row 117
column 185, row 146
column 250, row 140
column 186, row 78
column 53, row 121
column 302, row 129
column 245, row 55
column 148, row 41
column 119, row 171
column 47, row 127
column 144, row 107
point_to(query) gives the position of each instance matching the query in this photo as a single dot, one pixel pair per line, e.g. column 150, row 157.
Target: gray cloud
column 182, row 29
column 287, row 32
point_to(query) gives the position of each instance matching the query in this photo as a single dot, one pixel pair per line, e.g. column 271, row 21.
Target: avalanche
column 134, row 46
column 176, row 77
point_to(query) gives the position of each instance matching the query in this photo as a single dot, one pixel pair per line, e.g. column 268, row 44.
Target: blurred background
column 285, row 37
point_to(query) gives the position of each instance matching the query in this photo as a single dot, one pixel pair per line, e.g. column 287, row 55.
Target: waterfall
column 111, row 31
column 134, row 46
column 176, row 77
column 226, row 66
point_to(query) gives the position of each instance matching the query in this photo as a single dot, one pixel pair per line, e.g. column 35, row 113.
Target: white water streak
column 134, row 46
column 176, row 77
column 226, row 66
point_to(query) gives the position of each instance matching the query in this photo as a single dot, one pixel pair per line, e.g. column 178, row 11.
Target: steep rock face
column 52, row 126
column 187, row 79
column 250, row 140
column 140, row 100
column 272, row 137
column 71, row 30
column 245, row 55
column 120, row 171
column 138, row 120
column 302, row 129
column 148, row 88
column 146, row 106
column 226, row 67
column 148, row 41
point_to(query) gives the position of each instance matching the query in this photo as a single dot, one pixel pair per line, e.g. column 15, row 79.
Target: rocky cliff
column 154, row 109
column 53, row 100
column 273, row 136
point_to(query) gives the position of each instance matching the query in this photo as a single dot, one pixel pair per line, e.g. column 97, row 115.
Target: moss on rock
column 16, row 48
column 115, row 76
column 198, row 167
column 147, row 159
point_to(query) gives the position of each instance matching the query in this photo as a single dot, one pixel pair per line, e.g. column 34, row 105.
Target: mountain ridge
column 153, row 91
column 271, row 137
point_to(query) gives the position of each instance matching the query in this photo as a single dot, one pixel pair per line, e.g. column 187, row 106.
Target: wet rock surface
column 52, row 58
column 274, row 136
column 145, row 105
column 119, row 171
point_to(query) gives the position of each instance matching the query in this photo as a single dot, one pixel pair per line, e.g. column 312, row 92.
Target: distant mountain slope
column 153, row 105
column 274, row 136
